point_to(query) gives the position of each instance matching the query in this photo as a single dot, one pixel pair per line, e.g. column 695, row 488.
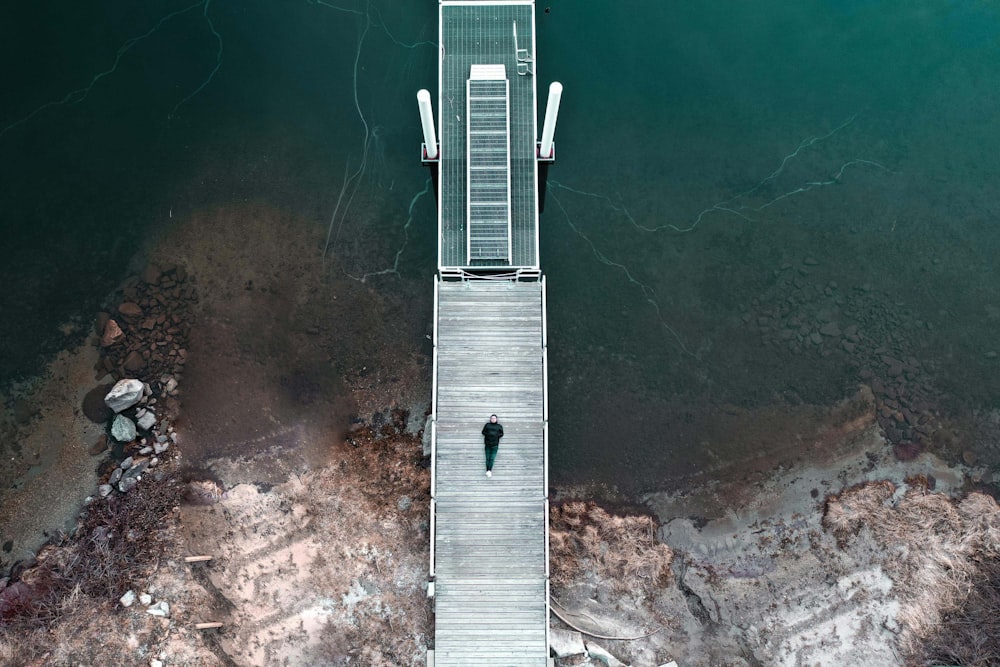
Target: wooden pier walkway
column 489, row 536
column 490, row 559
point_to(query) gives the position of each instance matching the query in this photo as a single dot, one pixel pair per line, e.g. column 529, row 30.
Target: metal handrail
column 466, row 275
column 545, row 317
column 433, row 528
column 434, row 353
column 545, row 456
column 434, row 392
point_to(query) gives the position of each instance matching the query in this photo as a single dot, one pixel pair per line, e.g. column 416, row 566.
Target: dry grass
column 944, row 557
column 115, row 547
column 585, row 540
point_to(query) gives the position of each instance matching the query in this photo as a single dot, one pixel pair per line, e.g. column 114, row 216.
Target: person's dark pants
column 491, row 455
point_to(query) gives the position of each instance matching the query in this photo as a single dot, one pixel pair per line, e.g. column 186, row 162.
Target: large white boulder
column 124, row 395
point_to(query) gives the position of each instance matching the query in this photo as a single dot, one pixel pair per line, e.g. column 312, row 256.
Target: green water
column 720, row 165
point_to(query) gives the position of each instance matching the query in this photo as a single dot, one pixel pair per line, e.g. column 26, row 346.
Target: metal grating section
column 488, row 163
column 490, row 534
column 476, row 33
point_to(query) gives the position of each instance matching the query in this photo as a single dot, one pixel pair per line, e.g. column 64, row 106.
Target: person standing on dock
column 492, row 432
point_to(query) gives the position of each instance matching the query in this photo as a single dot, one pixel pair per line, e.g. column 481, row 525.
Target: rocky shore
column 143, row 351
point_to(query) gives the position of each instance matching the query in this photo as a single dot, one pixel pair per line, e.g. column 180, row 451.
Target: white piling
column 551, row 112
column 427, row 121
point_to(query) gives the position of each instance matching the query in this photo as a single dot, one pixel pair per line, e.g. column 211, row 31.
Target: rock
column 127, row 484
column 160, row 447
column 170, row 385
column 147, row 421
column 810, row 261
column 24, row 411
column 159, row 609
column 112, row 335
column 151, row 274
column 130, row 311
column 159, row 663
column 138, row 465
column 146, row 450
column 134, row 362
column 94, row 407
column 123, row 429
column 404, row 503
column 145, row 599
column 124, row 395
column 969, row 457
column 100, row 322
column 127, row 463
column 830, row 329
column 105, row 490
column 100, row 445
column 596, row 652
column 127, row 599
column 815, row 337
column 566, row 643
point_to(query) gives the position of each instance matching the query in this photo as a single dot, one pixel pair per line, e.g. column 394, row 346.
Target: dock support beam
column 429, row 151
column 546, row 147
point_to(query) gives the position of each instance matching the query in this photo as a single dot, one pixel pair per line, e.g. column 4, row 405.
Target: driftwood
column 207, row 626
column 196, row 559
column 562, row 617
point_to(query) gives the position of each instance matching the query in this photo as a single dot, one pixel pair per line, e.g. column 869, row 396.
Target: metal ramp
column 489, row 555
column 488, row 163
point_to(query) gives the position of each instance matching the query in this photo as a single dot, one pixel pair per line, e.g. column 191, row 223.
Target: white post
column 427, row 121
column 551, row 112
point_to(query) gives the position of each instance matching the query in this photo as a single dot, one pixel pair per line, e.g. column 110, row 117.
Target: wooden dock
column 490, row 540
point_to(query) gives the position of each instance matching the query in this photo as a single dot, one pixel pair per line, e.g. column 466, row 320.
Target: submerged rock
column 94, row 407
column 100, row 445
column 130, row 311
column 134, row 362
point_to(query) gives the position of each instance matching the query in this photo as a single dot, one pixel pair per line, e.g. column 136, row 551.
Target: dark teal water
column 731, row 177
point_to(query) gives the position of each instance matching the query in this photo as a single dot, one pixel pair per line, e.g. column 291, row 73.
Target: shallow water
column 727, row 172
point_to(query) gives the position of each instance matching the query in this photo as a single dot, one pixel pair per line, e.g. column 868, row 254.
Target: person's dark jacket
column 492, row 434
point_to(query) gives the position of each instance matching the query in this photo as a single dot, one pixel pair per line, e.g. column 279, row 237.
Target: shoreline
column 284, row 480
